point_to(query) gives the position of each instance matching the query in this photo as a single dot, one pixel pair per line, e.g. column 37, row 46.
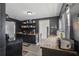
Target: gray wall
column 2, row 30
column 75, row 25
column 53, row 23
column 74, row 18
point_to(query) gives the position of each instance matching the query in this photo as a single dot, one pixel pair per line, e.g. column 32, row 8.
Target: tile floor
column 31, row 50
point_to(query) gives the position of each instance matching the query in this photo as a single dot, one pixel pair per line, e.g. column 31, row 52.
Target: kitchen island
column 50, row 47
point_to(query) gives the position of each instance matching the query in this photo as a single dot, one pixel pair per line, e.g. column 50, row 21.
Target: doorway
column 10, row 29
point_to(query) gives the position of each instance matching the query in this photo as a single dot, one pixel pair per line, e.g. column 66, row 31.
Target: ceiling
column 39, row 10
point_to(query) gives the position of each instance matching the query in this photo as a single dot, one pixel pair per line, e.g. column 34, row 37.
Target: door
column 44, row 29
column 10, row 29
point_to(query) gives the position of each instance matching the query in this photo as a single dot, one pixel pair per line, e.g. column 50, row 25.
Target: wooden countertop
column 20, row 33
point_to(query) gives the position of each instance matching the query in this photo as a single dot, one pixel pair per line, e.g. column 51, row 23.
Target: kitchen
column 48, row 31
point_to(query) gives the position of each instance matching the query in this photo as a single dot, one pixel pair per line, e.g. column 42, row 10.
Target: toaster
column 66, row 44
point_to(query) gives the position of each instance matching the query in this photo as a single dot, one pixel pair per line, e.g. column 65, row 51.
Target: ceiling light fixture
column 29, row 12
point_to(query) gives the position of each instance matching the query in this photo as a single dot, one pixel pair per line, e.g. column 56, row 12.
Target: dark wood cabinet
column 57, row 52
column 28, row 26
column 27, row 31
column 30, row 39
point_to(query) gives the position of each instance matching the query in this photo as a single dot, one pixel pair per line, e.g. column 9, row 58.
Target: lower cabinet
column 57, row 52
column 29, row 39
column 14, row 48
